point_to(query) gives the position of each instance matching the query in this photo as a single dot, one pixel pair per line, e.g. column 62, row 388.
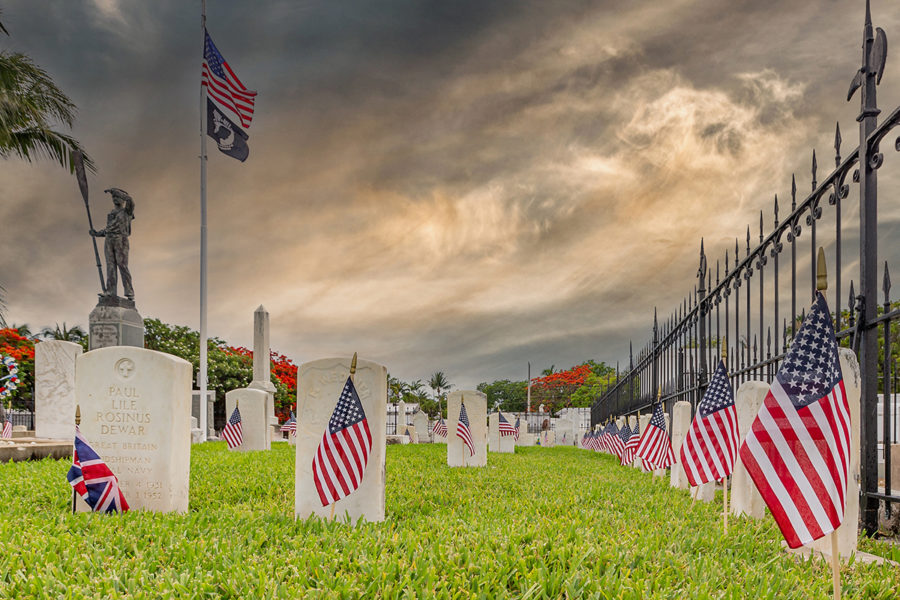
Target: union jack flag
column 92, row 480
column 505, row 428
column 341, row 458
column 655, row 447
column 798, row 448
column 462, row 429
column 233, row 432
column 223, row 85
column 711, row 444
column 440, row 427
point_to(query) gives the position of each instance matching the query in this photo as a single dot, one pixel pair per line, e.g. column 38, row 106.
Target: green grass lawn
column 543, row 523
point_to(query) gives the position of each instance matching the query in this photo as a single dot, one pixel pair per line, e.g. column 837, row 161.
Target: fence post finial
column 821, row 272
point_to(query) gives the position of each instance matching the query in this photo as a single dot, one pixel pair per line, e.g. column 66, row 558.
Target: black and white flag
column 231, row 138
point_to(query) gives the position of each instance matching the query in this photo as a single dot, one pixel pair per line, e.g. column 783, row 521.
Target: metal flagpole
column 204, row 426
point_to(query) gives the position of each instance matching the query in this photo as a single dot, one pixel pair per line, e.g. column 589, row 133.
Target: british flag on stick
column 798, row 449
column 92, row 479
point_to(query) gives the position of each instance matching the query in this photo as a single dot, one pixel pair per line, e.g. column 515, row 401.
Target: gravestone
column 411, row 434
column 423, row 427
column 401, row 416
column 847, row 533
column 643, row 421
column 135, row 408
column 745, row 498
column 496, row 442
column 196, row 436
column 662, row 472
column 681, row 423
column 210, row 409
column 476, row 410
column 54, row 389
column 319, row 386
column 548, row 438
column 262, row 378
column 255, row 429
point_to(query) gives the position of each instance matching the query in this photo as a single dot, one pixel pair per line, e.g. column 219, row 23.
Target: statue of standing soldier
column 118, row 228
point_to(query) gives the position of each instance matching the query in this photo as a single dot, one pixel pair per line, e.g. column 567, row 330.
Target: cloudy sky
column 460, row 186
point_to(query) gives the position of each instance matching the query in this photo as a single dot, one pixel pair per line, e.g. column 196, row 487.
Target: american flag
column 505, row 428
column 233, row 432
column 440, row 427
column 342, row 455
column 616, row 444
column 631, row 445
column 711, row 444
column 462, row 429
column 655, row 447
column 92, row 480
column 609, row 433
column 624, row 436
column 290, row 425
column 516, row 435
column 7, row 430
column 223, row 85
column 798, row 448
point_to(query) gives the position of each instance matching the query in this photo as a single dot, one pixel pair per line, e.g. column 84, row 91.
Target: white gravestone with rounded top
column 420, row 422
column 253, row 406
column 497, row 442
column 643, row 421
column 411, row 434
column 662, row 472
column 319, row 386
column 745, row 498
column 681, row 423
column 136, row 413
column 54, row 389
column 548, row 438
column 476, row 410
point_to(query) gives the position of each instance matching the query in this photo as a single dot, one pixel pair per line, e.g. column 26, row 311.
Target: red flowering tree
column 21, row 349
column 284, row 377
column 554, row 390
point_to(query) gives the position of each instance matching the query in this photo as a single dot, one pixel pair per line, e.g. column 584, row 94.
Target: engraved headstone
column 496, row 442
column 135, row 407
column 643, row 421
column 745, row 498
column 420, row 421
column 681, row 423
column 210, row 407
column 476, row 410
column 319, row 386
column 54, row 389
column 547, row 438
column 255, row 429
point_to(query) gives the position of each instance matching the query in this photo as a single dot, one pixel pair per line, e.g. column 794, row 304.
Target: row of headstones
column 745, row 498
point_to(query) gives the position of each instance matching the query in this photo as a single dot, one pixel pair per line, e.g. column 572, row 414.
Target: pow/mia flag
column 231, row 139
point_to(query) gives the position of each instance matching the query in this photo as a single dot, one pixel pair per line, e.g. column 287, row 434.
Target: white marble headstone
column 745, row 498
column 496, row 442
column 476, row 410
column 54, row 389
column 319, row 386
column 548, row 438
column 423, row 427
column 681, row 423
column 255, row 430
column 136, row 413
column 643, row 421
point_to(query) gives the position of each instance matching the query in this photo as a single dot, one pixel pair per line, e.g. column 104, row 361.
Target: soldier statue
column 118, row 228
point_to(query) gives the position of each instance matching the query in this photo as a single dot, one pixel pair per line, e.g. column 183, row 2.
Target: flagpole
column 204, row 426
column 725, row 479
column 77, row 423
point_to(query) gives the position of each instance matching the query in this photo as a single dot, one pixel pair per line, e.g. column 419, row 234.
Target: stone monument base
column 115, row 322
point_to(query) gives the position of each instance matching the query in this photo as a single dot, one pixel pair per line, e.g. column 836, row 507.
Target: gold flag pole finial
column 821, row 271
column 77, row 415
column 724, row 351
column 658, row 393
column 353, row 365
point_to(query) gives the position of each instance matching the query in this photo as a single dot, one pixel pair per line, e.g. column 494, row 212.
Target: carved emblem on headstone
column 125, row 368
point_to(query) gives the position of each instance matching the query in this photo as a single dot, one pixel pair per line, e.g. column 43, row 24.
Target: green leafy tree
column 512, row 395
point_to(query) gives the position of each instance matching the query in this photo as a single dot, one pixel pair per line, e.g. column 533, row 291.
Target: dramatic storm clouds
column 461, row 186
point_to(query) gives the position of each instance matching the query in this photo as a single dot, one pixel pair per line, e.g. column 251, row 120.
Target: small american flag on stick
column 655, row 446
column 233, row 432
column 290, row 425
column 440, row 427
column 505, row 427
column 462, row 429
column 798, row 449
column 7, row 430
column 341, row 458
column 631, row 446
column 516, row 435
column 711, row 444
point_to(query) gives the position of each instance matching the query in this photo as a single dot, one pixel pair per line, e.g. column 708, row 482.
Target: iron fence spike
column 814, row 168
column 886, row 284
column 776, row 211
column 837, row 144
column 793, row 192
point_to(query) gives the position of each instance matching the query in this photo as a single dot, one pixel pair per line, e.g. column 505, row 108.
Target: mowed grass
column 543, row 523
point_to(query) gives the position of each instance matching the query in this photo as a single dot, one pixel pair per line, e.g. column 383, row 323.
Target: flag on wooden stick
column 462, row 429
column 233, row 432
column 505, row 427
column 798, row 449
column 711, row 444
column 655, row 447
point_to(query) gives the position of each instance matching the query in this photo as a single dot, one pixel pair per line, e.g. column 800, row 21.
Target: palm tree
column 30, row 105
column 75, row 334
column 439, row 384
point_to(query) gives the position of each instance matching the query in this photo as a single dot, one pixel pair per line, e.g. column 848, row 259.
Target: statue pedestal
column 115, row 322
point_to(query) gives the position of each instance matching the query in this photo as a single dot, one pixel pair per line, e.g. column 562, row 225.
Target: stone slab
column 255, row 429
column 423, row 426
column 210, row 408
column 135, row 408
column 409, row 431
column 745, row 498
column 681, row 423
column 547, row 438
column 643, row 420
column 319, row 386
column 29, row 448
column 496, row 442
column 115, row 326
column 476, row 409
column 54, row 389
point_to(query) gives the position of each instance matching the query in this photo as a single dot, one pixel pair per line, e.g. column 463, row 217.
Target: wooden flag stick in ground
column 353, row 379
column 725, row 479
column 462, row 402
column 77, row 423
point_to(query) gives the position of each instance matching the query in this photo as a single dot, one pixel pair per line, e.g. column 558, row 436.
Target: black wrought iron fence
column 752, row 300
